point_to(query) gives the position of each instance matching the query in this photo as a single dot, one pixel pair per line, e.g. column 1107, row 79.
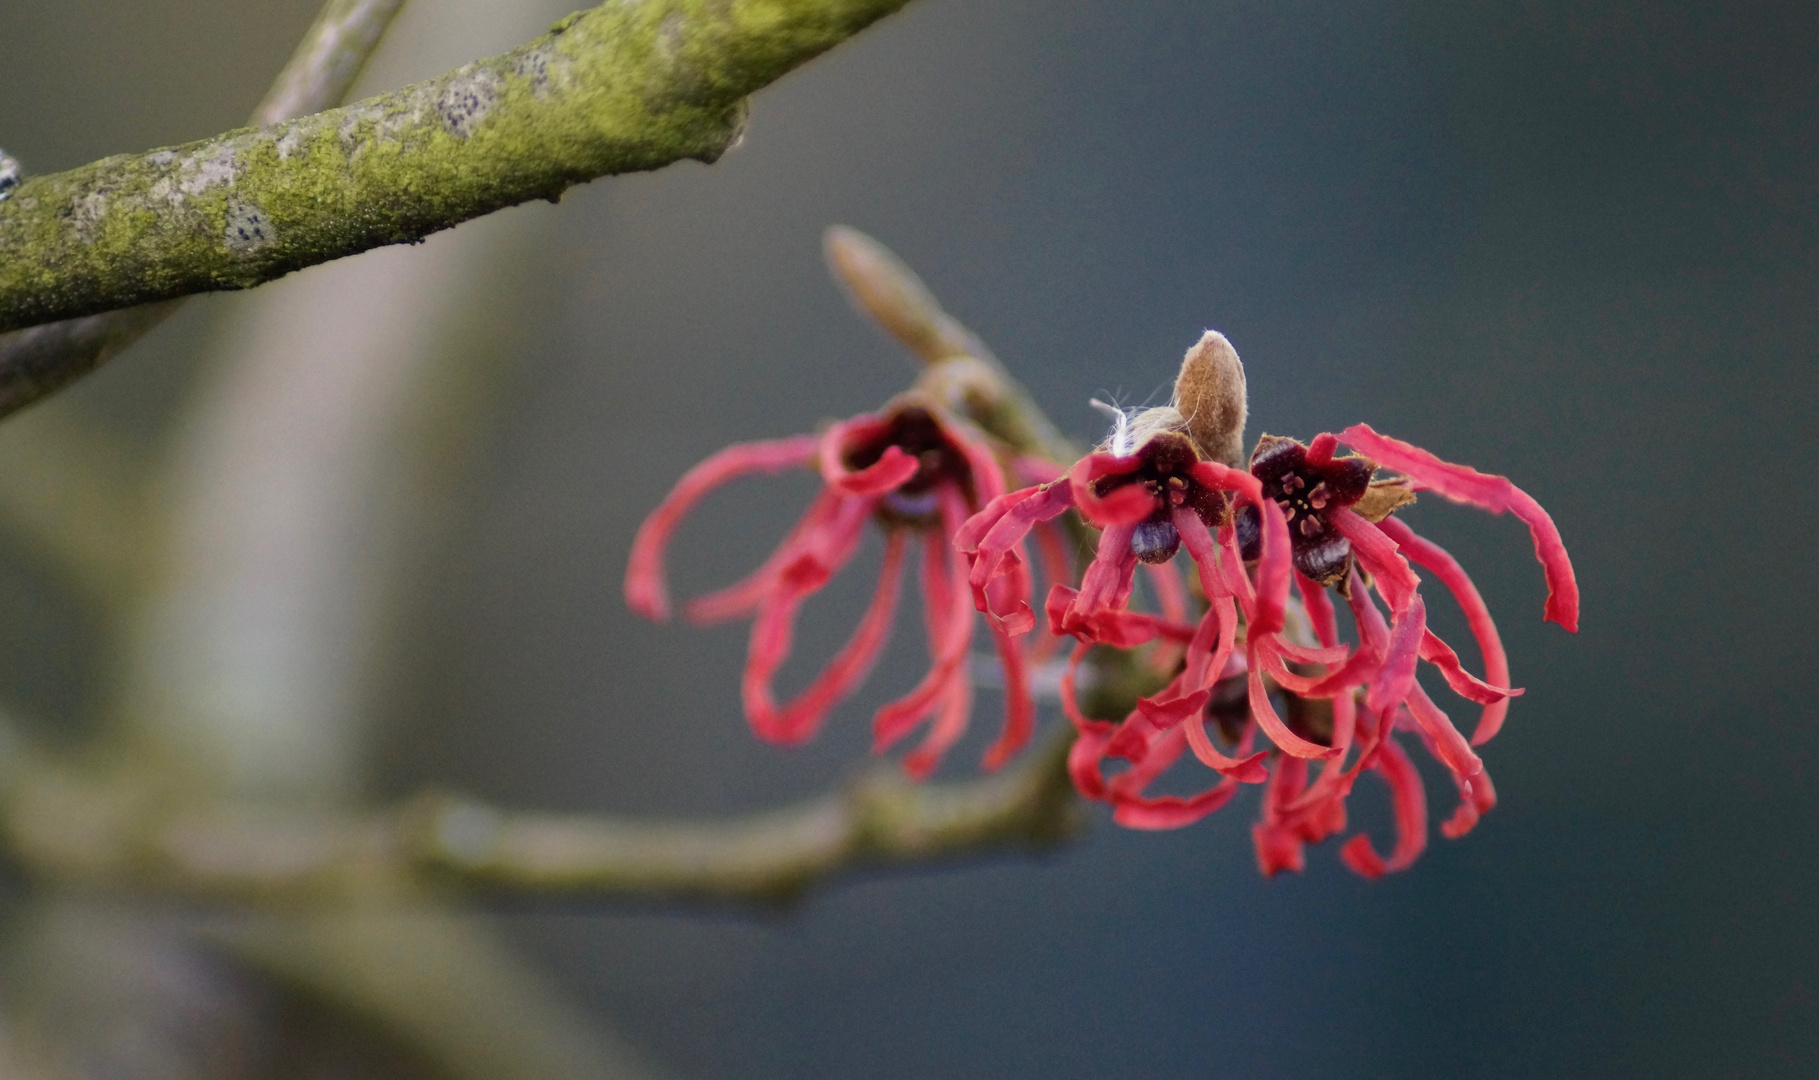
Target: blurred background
column 1570, row 242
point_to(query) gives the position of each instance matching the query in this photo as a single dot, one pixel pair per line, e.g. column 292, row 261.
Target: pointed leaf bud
column 1210, row 394
column 879, row 284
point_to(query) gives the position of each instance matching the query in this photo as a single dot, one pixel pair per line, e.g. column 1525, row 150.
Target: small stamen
column 1319, row 496
column 1310, row 526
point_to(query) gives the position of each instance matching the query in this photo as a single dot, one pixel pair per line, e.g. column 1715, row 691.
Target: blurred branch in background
column 71, row 831
column 39, row 360
column 618, row 88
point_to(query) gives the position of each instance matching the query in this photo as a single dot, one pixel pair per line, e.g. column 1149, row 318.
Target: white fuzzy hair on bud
column 1119, row 441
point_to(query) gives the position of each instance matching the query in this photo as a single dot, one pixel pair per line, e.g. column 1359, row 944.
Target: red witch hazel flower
column 917, row 472
column 1301, row 518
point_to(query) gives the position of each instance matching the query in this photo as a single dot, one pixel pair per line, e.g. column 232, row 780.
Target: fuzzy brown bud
column 1209, row 392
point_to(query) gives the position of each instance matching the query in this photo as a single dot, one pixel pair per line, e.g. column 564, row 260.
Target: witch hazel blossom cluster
column 914, row 472
column 1273, row 544
column 1248, row 558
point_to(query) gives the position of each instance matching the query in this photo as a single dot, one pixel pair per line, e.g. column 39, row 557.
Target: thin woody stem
column 42, row 359
column 623, row 87
column 95, row 837
column 328, row 59
column 961, row 372
column 881, row 820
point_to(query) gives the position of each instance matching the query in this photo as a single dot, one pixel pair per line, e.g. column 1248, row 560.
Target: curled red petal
column 948, row 612
column 1464, row 683
column 1448, row 745
column 1166, row 712
column 1431, row 556
column 645, row 590
column 773, row 632
column 1019, row 707
column 1246, row 769
column 1265, row 715
column 1007, row 595
column 1203, row 550
column 1409, row 803
column 1125, row 629
column 955, row 709
column 1154, row 755
column 1266, row 657
column 1220, row 477
column 1476, row 798
column 1463, row 484
column 1278, row 843
column 1319, row 608
column 1125, row 505
column 1305, row 654
column 1060, row 602
column 1395, row 680
column 1377, row 553
column 1172, row 811
column 801, row 718
column 1214, row 638
column 1333, row 782
column 995, row 550
column 1232, row 569
column 1274, row 568
column 975, row 528
column 1070, row 702
column 745, row 595
column 1106, row 585
column 892, row 470
column 1367, row 660
column 1083, row 760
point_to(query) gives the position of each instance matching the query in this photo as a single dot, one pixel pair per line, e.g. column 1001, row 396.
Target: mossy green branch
column 623, row 87
column 42, row 359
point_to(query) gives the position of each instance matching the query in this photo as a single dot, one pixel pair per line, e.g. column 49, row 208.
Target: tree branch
column 102, row 835
column 42, row 359
column 328, row 59
column 881, row 820
column 620, row 88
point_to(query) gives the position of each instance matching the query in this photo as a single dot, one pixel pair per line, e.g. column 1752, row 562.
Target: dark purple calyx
column 1166, row 469
column 919, row 433
column 1308, row 493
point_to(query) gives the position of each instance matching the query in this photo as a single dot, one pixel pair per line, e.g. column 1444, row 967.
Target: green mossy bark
column 623, row 87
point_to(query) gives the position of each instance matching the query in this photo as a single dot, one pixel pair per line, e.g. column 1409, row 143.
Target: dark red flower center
column 1308, row 493
column 1165, row 468
column 918, row 433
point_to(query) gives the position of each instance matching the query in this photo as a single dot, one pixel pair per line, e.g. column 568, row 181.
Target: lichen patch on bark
column 624, row 87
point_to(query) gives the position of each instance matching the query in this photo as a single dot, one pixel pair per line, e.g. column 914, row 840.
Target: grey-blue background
column 1570, row 242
